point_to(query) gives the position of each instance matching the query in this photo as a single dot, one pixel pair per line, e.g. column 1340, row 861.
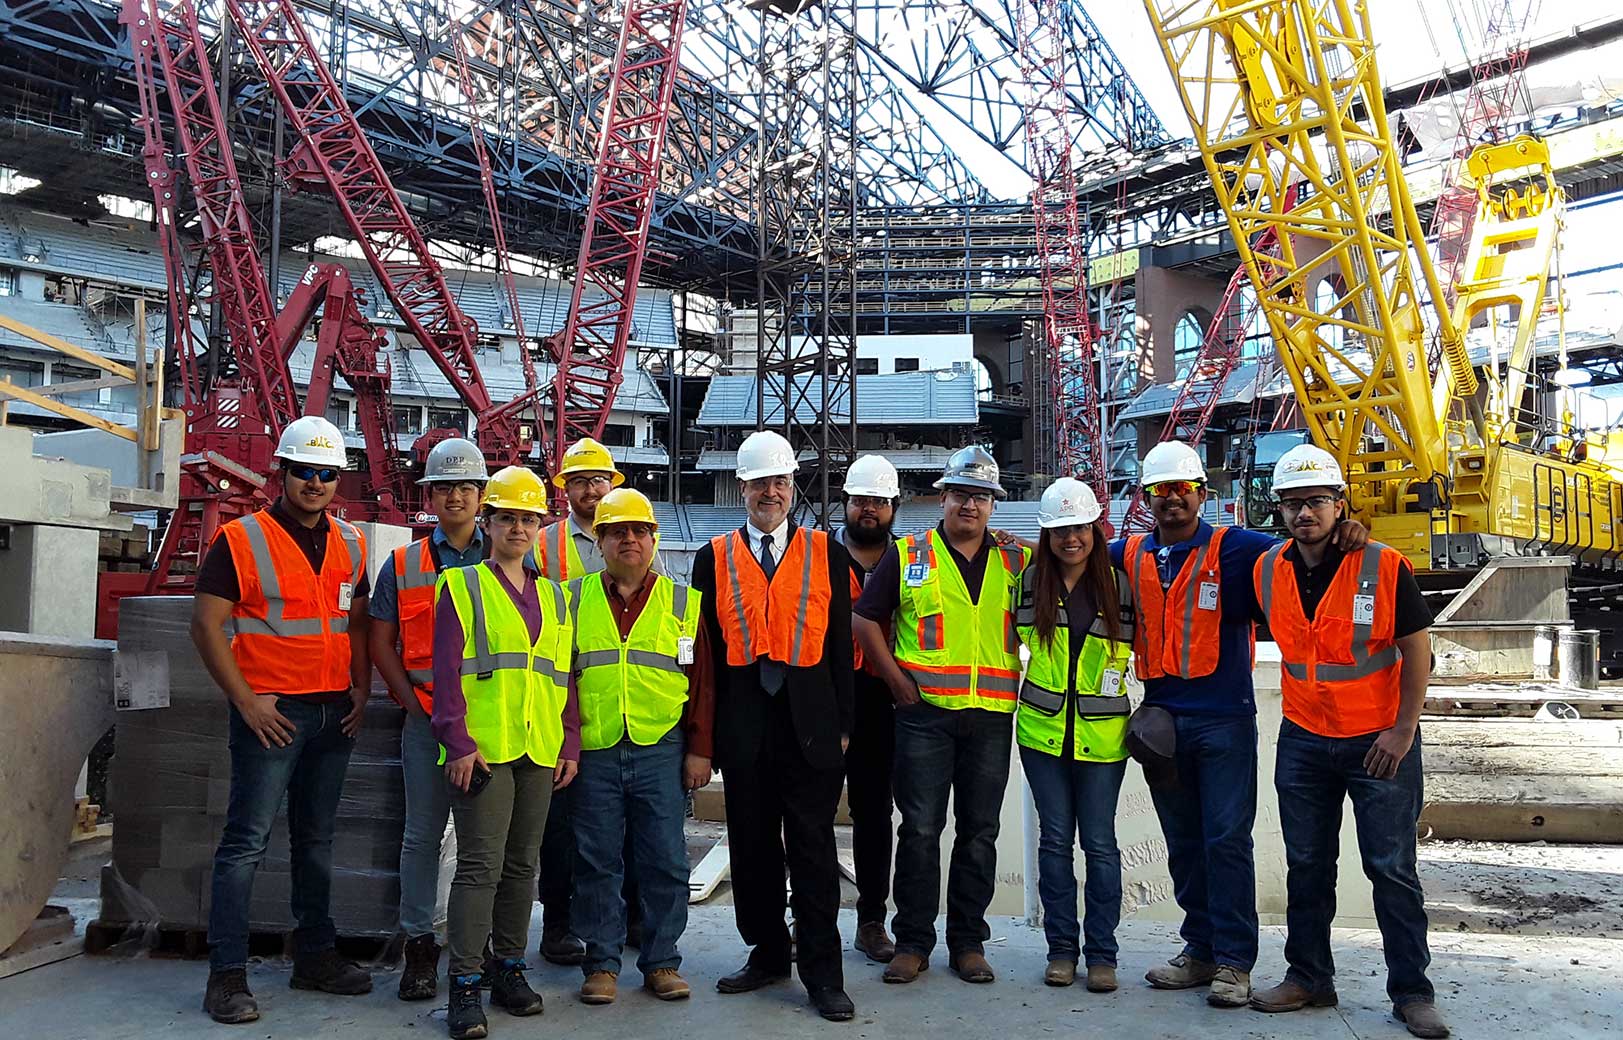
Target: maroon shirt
column 450, row 718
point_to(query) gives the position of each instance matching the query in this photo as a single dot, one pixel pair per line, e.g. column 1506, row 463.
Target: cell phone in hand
column 478, row 781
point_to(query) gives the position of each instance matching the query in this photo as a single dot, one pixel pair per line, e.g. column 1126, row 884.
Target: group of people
column 563, row 695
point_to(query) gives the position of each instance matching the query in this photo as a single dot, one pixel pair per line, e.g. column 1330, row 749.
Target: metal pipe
column 1029, row 830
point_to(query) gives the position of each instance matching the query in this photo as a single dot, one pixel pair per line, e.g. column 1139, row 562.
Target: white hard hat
column 1171, row 460
column 453, row 461
column 1307, row 465
column 1066, row 503
column 873, row 476
column 765, row 453
column 313, row 440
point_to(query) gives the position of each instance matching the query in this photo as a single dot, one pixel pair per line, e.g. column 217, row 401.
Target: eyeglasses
column 1296, row 505
column 325, row 474
column 582, row 483
column 513, row 518
column 980, row 498
column 1171, row 488
column 461, row 487
column 869, row 502
column 769, row 484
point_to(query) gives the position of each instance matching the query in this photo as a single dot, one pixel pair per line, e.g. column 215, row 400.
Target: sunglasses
column 326, row 474
column 1171, row 488
column 1296, row 505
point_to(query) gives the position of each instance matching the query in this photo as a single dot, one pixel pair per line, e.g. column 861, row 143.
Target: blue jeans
column 428, row 808
column 964, row 753
column 310, row 772
column 1077, row 799
column 1207, row 819
column 622, row 792
column 1313, row 776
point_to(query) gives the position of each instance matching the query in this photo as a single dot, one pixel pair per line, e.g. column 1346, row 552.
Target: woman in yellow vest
column 510, row 733
column 1071, row 726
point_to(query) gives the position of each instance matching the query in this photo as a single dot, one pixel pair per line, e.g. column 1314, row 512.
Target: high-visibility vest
column 1179, row 629
column 415, row 575
column 515, row 689
column 1341, row 671
column 784, row 619
column 292, row 632
column 962, row 654
column 1097, row 692
column 555, row 554
column 636, row 686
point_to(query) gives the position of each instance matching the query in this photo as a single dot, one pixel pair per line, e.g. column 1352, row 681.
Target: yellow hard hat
column 516, row 488
column 624, row 506
column 587, row 456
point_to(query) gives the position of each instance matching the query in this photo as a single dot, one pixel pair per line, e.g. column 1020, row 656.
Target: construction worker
column 291, row 580
column 1192, row 648
column 871, row 496
column 1355, row 652
column 509, row 724
column 402, row 647
column 777, row 603
column 1071, row 726
column 566, row 550
column 647, row 709
column 955, row 677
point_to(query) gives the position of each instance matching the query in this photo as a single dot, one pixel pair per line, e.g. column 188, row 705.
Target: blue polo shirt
column 1228, row 690
column 385, row 602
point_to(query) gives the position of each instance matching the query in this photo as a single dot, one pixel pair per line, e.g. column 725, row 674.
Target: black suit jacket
column 820, row 697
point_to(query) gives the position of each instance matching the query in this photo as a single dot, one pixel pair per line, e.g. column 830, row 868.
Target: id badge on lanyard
column 916, row 573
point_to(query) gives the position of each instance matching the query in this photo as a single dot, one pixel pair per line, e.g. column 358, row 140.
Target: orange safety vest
column 1341, row 670
column 785, row 619
column 555, row 554
column 292, row 634
column 414, row 577
column 1178, row 628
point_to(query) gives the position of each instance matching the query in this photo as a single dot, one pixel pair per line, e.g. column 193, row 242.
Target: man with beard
column 1352, row 629
column 565, row 551
column 872, row 493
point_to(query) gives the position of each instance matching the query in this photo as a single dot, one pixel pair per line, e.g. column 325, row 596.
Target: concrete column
column 49, row 574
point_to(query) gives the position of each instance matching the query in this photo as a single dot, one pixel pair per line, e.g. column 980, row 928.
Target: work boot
column 905, row 967
column 559, row 946
column 1423, row 1019
column 832, row 1003
column 465, row 1017
column 599, row 987
column 1060, row 972
column 1101, row 978
column 1291, row 996
column 420, row 979
column 1181, row 972
column 227, row 998
column 1231, row 987
column 872, row 940
column 330, row 973
column 972, row 966
column 666, row 984
column 511, row 990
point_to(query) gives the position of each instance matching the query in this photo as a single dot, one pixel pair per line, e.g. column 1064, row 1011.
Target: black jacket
column 820, row 697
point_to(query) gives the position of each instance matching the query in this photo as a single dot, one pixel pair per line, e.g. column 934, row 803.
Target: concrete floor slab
column 1489, row 986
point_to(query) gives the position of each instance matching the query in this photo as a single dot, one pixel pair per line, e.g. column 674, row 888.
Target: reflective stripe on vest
column 515, row 697
column 1194, row 651
column 555, row 554
column 962, row 654
column 1333, row 698
column 415, row 576
column 784, row 619
column 635, row 686
column 307, row 652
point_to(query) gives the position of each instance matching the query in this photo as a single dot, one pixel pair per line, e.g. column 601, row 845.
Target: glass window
column 408, row 418
column 448, row 419
column 867, row 366
column 338, row 413
column 1186, row 340
column 1324, row 301
column 22, row 371
column 906, row 364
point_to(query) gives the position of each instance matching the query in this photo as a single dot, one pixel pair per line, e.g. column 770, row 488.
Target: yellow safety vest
column 515, row 690
column 638, row 685
column 1098, row 691
column 962, row 654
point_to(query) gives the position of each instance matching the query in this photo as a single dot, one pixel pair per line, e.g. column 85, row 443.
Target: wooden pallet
column 192, row 943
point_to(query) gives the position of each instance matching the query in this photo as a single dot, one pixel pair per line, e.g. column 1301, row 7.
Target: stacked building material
column 170, row 788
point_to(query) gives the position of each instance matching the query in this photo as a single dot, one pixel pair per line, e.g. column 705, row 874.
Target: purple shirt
column 450, row 718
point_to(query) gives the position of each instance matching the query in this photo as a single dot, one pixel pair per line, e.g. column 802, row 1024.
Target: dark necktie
column 772, row 672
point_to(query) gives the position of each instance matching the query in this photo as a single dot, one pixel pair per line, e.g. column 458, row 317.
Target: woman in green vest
column 1071, row 726
column 510, row 735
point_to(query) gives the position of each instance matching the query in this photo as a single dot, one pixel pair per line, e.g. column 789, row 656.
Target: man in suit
column 777, row 606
